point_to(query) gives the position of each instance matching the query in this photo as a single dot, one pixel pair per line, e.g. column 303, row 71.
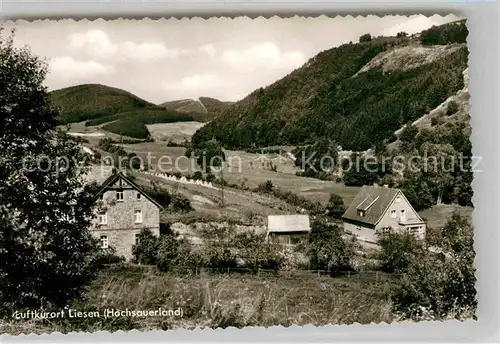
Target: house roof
column 288, row 223
column 114, row 177
column 374, row 201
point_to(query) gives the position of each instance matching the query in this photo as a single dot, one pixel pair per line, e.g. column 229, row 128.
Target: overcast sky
column 188, row 58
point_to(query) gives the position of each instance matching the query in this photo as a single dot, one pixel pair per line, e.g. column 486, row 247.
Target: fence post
column 376, row 276
column 258, row 271
column 348, row 274
column 318, row 272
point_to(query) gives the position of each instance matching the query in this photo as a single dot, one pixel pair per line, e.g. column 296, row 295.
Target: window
column 403, row 215
column 139, row 196
column 393, row 214
column 361, row 213
column 119, row 195
column 386, row 230
column 398, row 199
column 103, row 218
column 415, row 230
column 104, row 241
column 102, row 196
column 137, row 238
column 138, row 216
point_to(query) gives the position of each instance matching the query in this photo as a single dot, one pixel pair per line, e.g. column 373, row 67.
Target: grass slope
column 204, row 109
column 326, row 98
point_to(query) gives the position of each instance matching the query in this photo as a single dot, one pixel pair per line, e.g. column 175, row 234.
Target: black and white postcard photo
column 234, row 172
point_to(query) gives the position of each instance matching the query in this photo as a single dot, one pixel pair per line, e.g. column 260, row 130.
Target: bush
column 180, row 203
column 171, row 143
column 210, row 177
column 108, row 256
column 255, row 252
column 452, row 108
column 392, row 138
column 146, row 249
column 198, row 175
column 266, row 187
column 335, row 206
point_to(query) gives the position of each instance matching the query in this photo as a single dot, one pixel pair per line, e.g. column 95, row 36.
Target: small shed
column 288, row 230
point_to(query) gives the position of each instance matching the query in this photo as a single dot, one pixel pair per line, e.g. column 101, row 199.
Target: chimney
column 386, row 185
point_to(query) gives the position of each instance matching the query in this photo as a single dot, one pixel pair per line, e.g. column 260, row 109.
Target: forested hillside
column 328, row 98
column 125, row 113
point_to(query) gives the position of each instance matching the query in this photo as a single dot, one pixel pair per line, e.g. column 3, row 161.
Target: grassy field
column 177, row 132
column 221, row 301
column 438, row 215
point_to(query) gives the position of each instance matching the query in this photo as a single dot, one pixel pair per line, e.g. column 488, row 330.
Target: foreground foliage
column 47, row 253
column 439, row 282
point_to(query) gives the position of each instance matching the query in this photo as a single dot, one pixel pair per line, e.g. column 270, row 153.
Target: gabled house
column 288, row 230
column 378, row 209
column 124, row 209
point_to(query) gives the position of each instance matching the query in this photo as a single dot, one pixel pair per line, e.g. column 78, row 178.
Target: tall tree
column 46, row 250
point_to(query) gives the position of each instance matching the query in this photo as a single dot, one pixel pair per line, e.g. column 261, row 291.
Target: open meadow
column 223, row 300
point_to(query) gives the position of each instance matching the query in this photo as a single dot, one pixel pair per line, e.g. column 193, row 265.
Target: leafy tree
column 397, row 251
column 365, row 38
column 418, row 191
column 146, row 249
column 335, row 206
column 314, row 159
column 455, row 32
column 363, row 171
column 209, row 154
column 47, row 252
column 401, row 34
column 327, row 249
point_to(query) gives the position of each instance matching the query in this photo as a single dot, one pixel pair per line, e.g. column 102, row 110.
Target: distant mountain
column 356, row 94
column 202, row 109
column 124, row 113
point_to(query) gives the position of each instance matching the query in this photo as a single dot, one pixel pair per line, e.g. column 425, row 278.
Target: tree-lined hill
column 328, row 98
column 124, row 113
column 202, row 109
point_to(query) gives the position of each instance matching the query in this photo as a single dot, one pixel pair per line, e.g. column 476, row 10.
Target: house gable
column 118, row 181
column 410, row 213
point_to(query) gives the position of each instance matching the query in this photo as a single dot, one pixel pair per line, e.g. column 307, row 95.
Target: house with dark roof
column 288, row 230
column 123, row 210
column 379, row 209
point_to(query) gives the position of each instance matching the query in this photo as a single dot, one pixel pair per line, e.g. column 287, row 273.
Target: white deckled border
column 484, row 50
